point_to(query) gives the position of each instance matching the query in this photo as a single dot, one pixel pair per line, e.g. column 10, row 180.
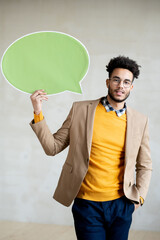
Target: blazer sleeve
column 144, row 164
column 53, row 143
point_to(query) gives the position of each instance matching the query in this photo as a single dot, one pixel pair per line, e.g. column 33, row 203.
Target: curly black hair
column 123, row 62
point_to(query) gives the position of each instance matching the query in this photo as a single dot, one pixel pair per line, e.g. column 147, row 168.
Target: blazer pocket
column 67, row 167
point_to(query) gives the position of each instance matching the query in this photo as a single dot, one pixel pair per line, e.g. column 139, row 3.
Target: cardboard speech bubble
column 53, row 61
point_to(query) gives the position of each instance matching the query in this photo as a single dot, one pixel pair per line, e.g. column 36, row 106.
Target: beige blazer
column 76, row 132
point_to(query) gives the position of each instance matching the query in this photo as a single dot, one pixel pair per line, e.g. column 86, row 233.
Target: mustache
column 119, row 89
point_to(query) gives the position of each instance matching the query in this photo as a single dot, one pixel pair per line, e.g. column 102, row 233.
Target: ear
column 107, row 83
column 131, row 87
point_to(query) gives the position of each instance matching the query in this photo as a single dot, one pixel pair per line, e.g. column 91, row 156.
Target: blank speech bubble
column 53, row 61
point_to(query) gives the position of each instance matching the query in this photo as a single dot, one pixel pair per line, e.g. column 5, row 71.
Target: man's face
column 120, row 84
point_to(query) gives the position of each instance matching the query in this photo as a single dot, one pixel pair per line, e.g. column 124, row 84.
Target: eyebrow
column 124, row 79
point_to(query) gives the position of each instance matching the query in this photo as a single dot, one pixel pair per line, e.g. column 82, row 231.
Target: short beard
column 117, row 100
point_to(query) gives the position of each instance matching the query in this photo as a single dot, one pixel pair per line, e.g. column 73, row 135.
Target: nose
column 121, row 84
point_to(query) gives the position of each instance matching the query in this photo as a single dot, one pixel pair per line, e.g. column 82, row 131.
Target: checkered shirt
column 109, row 108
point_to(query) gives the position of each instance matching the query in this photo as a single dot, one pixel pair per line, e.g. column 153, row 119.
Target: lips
column 119, row 93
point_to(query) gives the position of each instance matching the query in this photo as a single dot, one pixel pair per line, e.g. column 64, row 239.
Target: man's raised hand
column 37, row 97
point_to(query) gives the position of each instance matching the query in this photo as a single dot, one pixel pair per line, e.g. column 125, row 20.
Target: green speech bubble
column 53, row 61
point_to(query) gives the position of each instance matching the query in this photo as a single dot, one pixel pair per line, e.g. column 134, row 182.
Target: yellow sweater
column 104, row 179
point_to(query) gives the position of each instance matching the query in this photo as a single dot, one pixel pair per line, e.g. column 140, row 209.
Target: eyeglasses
column 117, row 81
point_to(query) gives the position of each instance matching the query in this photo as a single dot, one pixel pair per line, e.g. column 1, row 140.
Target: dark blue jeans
column 108, row 220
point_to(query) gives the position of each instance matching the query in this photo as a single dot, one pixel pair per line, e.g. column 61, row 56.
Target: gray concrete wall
column 107, row 28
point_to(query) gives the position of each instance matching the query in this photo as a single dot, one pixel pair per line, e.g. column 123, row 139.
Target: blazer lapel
column 90, row 121
column 129, row 133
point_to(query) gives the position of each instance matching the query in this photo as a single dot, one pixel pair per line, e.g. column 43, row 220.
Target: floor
column 34, row 231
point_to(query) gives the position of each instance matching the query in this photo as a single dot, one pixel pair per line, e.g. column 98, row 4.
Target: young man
column 107, row 141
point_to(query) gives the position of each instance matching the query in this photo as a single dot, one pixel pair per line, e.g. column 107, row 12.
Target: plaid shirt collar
column 109, row 108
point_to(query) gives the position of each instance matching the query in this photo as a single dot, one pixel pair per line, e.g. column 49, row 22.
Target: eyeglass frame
column 120, row 80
